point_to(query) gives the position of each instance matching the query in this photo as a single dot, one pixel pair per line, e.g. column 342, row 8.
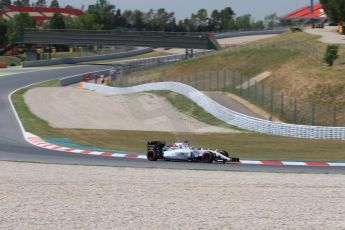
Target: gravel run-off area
column 43, row 196
column 71, row 107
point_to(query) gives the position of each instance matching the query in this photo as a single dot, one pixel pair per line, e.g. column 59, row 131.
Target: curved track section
column 13, row 146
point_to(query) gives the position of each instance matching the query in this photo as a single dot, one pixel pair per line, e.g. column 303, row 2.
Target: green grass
column 5, row 73
column 243, row 145
column 31, row 122
column 190, row 108
column 248, row 61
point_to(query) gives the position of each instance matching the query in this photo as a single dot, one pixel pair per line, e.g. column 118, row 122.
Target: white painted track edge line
column 24, row 133
column 294, row 163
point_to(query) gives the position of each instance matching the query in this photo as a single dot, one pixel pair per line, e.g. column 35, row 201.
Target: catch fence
column 287, row 108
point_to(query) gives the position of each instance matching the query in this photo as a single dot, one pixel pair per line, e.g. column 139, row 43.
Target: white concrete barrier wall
column 231, row 117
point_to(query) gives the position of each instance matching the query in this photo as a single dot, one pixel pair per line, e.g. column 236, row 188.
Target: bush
column 296, row 29
column 331, row 54
column 10, row 60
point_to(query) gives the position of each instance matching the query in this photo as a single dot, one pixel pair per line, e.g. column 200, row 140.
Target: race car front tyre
column 224, row 153
column 207, row 157
column 152, row 155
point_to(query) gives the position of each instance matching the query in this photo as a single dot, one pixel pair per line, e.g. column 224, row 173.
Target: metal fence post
column 203, row 81
column 248, row 88
column 195, row 81
column 241, row 79
column 233, row 82
column 282, row 104
column 218, row 80
column 225, row 75
column 256, row 91
column 263, row 95
column 334, row 116
column 271, row 101
column 295, row 111
column 210, row 81
column 312, row 113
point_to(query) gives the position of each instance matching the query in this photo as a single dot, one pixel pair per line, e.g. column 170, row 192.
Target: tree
column 200, row 20
column 163, row 19
column 17, row 25
column 186, row 25
column 41, row 3
column 340, row 5
column 57, row 22
column 271, row 20
column 54, row 4
column 149, row 19
column 87, row 22
column 258, row 25
column 215, row 21
column 5, row 3
column 138, row 20
column 3, row 31
column 103, row 13
column 127, row 15
column 227, row 19
column 159, row 20
column 243, row 22
column 119, row 19
column 172, row 27
column 335, row 9
column 22, row 3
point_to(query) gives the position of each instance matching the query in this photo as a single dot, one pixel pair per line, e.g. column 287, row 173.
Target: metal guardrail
column 128, row 38
column 74, row 60
column 229, row 116
column 135, row 65
column 121, row 68
column 249, row 33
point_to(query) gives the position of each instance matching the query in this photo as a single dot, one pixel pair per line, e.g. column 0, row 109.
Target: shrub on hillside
column 10, row 60
column 331, row 54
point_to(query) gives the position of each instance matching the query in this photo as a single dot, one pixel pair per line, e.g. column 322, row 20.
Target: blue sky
column 184, row 8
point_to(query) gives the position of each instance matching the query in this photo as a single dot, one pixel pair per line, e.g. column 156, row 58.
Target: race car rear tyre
column 152, row 155
column 207, row 157
column 224, row 153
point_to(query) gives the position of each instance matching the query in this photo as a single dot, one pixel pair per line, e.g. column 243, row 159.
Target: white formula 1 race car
column 181, row 151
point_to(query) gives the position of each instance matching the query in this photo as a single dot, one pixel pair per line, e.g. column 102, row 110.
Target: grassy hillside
column 295, row 60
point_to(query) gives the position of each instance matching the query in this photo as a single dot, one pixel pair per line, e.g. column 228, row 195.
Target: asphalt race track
column 13, row 146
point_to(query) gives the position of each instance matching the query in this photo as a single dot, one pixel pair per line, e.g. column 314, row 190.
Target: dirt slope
column 75, row 108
